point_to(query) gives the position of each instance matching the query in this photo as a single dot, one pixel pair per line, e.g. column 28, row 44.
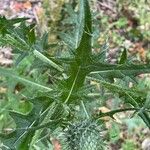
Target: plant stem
column 84, row 108
column 111, row 113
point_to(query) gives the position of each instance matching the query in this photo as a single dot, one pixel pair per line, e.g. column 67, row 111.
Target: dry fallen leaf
column 17, row 6
column 2, row 90
column 56, row 144
column 27, row 5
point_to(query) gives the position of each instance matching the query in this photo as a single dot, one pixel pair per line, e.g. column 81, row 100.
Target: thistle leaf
column 9, row 73
column 84, row 48
column 26, row 125
column 118, row 71
column 6, row 25
column 123, row 57
column 46, row 60
column 77, row 75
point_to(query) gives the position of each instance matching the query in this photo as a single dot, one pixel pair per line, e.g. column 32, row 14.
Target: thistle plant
column 56, row 90
column 85, row 135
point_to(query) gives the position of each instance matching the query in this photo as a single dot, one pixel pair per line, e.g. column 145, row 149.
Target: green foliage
column 8, row 24
column 114, row 133
column 58, row 86
column 129, row 145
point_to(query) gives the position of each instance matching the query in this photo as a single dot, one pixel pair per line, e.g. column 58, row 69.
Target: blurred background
column 125, row 24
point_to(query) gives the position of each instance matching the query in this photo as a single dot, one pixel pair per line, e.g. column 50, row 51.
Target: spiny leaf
column 132, row 97
column 6, row 25
column 15, row 42
column 121, row 90
column 9, row 73
column 145, row 116
column 123, row 57
column 46, row 60
column 82, row 54
column 83, row 51
column 118, row 71
column 21, row 137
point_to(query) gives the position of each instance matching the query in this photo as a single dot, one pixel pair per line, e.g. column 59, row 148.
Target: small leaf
column 31, row 34
column 123, row 57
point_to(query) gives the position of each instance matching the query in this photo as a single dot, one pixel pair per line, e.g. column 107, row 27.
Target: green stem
column 84, row 108
column 111, row 113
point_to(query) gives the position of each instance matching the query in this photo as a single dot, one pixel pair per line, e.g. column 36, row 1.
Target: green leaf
column 82, row 53
column 21, row 137
column 134, row 97
column 21, row 57
column 145, row 116
column 46, row 60
column 123, row 57
column 9, row 73
column 6, row 24
column 118, row 71
column 129, row 93
column 31, row 34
